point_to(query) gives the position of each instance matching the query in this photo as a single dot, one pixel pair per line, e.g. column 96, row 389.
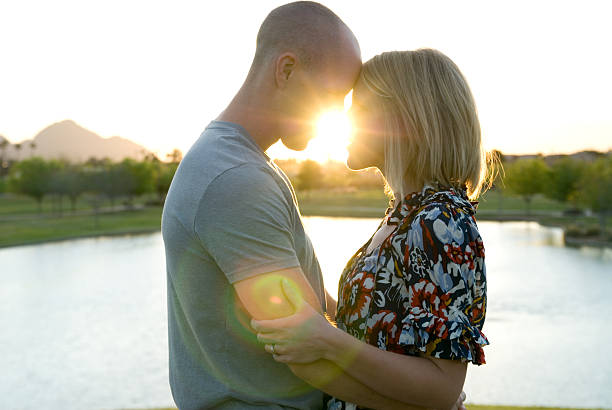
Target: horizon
column 157, row 80
column 298, row 156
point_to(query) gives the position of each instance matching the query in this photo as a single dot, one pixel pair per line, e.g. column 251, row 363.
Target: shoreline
column 81, row 236
column 332, row 211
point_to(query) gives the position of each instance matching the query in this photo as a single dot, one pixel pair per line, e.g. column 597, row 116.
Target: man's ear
column 284, row 69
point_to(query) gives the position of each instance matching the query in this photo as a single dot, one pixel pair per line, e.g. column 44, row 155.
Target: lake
column 84, row 321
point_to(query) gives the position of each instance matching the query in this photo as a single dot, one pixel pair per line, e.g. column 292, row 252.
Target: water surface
column 84, row 322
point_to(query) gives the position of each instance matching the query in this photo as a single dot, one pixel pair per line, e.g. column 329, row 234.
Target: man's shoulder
column 224, row 145
column 221, row 153
column 247, row 181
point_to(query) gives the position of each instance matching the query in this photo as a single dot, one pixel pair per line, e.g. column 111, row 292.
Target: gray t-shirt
column 230, row 214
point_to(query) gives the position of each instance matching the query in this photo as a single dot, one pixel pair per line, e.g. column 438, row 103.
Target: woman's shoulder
column 443, row 260
column 442, row 217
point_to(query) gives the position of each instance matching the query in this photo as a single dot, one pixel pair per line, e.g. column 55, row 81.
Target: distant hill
column 66, row 139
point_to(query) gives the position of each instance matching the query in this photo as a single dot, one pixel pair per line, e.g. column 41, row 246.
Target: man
column 232, row 230
column 230, row 224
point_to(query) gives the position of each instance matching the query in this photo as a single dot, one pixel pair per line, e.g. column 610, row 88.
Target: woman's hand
column 299, row 338
column 459, row 405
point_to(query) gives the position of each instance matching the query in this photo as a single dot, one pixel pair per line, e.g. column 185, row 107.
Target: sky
column 158, row 72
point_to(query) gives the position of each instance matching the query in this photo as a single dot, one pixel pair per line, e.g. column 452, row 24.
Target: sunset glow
column 330, row 142
column 160, row 88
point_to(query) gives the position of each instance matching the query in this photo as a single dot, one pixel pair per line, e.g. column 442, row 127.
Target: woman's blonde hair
column 432, row 128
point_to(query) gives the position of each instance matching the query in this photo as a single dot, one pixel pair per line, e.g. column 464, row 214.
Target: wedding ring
column 272, row 348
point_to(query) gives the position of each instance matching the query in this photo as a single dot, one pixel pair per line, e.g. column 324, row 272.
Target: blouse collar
column 433, row 192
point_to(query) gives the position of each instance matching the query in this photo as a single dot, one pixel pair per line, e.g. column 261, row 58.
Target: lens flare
column 332, row 138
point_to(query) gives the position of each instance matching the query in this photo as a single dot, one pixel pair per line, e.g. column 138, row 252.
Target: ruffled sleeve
column 443, row 259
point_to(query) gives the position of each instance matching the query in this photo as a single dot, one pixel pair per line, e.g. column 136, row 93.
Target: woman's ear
column 285, row 66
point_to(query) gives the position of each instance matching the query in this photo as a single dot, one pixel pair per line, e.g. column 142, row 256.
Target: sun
column 332, row 139
column 333, row 132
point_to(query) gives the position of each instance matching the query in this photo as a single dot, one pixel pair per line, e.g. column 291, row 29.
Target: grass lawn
column 27, row 231
column 22, row 223
column 373, row 203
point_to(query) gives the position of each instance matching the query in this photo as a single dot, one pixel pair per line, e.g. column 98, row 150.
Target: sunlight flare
column 332, row 139
column 333, row 133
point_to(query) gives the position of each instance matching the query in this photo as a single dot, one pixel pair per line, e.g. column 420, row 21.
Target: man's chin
column 295, row 144
column 352, row 165
column 356, row 164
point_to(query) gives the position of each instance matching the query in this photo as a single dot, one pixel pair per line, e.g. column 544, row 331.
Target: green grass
column 28, row 231
column 495, row 201
column 14, row 205
column 363, row 203
column 22, row 223
column 374, row 202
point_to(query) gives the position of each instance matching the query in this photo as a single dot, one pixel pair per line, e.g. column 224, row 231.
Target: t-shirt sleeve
column 244, row 222
column 443, row 257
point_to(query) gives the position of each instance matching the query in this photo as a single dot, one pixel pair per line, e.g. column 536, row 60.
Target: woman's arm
column 424, row 380
column 328, row 377
column 331, row 306
column 308, row 336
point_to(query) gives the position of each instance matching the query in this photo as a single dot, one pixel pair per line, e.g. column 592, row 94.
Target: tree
column 526, row 178
column 31, row 177
column 175, row 156
column 139, row 177
column 69, row 180
column 596, row 188
column 17, row 150
column 563, row 179
column 3, row 162
column 3, row 145
column 163, row 178
column 310, row 176
column 95, row 182
column 116, row 181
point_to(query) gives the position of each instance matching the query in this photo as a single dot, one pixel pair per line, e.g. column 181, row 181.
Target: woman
column 411, row 301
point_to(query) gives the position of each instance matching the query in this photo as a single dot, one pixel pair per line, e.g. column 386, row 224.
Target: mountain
column 66, row 139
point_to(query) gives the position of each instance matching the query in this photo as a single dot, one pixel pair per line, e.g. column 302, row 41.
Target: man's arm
column 263, row 298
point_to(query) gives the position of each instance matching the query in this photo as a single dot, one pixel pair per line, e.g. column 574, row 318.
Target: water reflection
column 84, row 322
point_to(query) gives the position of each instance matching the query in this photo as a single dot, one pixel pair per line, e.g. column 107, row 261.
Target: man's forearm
column 328, row 377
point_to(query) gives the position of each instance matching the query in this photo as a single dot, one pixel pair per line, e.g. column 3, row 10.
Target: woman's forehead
column 361, row 92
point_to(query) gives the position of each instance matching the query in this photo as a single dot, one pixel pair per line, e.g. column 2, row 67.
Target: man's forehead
column 341, row 75
column 342, row 61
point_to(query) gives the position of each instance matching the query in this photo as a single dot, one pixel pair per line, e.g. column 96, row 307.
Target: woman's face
column 368, row 129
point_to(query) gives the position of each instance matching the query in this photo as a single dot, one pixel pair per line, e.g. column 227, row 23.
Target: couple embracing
column 250, row 323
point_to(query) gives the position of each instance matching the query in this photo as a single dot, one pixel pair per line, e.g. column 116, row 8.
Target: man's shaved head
column 310, row 30
column 305, row 63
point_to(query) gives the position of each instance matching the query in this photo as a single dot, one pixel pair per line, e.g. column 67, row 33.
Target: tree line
column 98, row 179
column 576, row 183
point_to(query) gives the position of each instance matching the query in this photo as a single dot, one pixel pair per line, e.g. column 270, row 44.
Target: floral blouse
column 424, row 288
